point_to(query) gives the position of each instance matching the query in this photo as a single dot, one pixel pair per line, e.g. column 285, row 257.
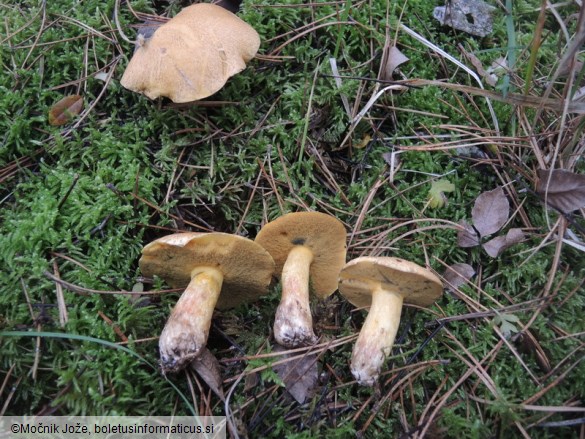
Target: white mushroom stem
column 187, row 329
column 377, row 336
column 293, row 324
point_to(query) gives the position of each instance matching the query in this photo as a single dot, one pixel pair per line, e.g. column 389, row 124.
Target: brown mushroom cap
column 416, row 284
column 192, row 55
column 247, row 268
column 323, row 234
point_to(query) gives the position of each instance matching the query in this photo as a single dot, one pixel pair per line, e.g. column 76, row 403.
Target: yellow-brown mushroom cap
column 247, row 268
column 360, row 276
column 192, row 55
column 323, row 234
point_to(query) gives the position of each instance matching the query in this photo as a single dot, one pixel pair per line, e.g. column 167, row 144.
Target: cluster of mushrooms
column 307, row 251
column 191, row 57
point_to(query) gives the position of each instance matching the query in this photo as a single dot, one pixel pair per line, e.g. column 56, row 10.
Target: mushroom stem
column 293, row 324
column 188, row 326
column 377, row 336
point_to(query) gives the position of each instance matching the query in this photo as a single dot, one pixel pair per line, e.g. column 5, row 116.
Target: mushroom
column 218, row 270
column 305, row 246
column 383, row 283
column 192, row 55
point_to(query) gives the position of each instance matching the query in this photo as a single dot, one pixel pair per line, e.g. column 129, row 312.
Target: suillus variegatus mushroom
column 308, row 249
column 191, row 56
column 383, row 284
column 217, row 270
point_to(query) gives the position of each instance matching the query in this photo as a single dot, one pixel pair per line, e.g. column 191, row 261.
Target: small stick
column 115, row 327
column 118, row 26
column 73, row 183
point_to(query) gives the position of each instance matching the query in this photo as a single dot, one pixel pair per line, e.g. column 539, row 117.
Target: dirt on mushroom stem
column 187, row 329
column 306, row 246
column 293, row 323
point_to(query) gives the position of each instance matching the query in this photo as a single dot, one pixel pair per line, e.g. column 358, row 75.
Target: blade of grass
column 340, row 33
column 536, row 41
column 308, row 114
column 511, row 53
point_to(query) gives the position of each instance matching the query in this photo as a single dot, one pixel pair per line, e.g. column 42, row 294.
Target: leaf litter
column 394, row 58
column 467, row 236
column 437, row 197
column 563, row 190
column 506, row 323
column 300, row 375
column 65, row 110
column 496, row 246
column 490, row 213
column 207, row 367
column 457, row 275
column 471, row 16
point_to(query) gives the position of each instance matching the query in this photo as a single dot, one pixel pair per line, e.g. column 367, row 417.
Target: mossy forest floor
column 501, row 355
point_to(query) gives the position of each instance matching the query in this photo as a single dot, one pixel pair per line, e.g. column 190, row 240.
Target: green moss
column 88, row 198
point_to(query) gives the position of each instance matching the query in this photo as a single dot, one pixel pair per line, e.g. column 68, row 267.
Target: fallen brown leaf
column 299, row 375
column 65, row 110
column 563, row 190
column 528, row 344
column 207, row 367
column 495, row 247
column 489, row 77
column 490, row 211
column 457, row 275
column 467, row 237
column 230, row 5
column 394, row 58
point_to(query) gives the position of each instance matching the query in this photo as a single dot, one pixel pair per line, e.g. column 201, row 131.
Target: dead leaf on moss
column 300, row 375
column 230, row 5
column 146, row 30
column 495, row 247
column 65, row 110
column 251, row 382
column 457, row 275
column 490, row 211
column 207, row 367
column 394, row 58
column 499, row 67
column 489, row 77
column 563, row 190
column 467, row 236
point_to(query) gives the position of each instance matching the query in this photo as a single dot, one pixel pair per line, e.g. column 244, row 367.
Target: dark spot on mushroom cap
column 298, row 241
